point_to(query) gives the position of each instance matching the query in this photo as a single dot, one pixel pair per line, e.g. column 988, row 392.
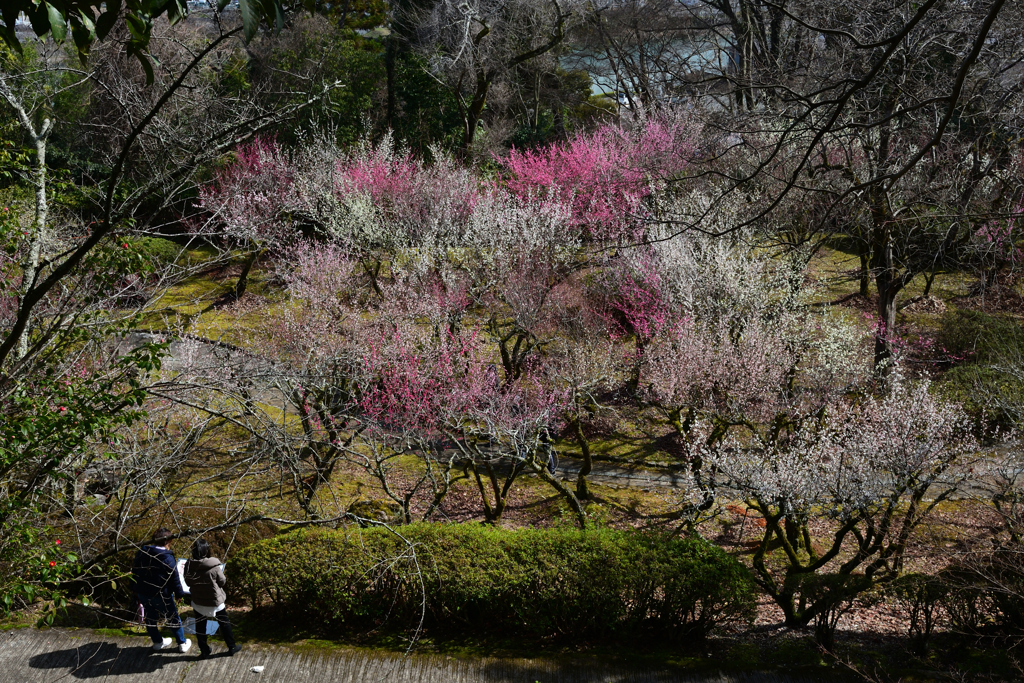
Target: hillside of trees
column 687, row 325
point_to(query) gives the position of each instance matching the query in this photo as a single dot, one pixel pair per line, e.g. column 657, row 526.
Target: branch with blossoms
column 874, row 470
column 505, row 433
column 606, row 176
column 248, row 203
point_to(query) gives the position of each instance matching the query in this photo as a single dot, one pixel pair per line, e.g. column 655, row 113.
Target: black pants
column 225, row 628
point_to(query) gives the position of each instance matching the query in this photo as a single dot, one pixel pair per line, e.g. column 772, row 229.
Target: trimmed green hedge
column 530, row 582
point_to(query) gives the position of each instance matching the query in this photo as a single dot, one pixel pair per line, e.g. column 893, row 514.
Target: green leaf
column 39, row 20
column 176, row 11
column 250, row 18
column 278, row 15
column 148, row 68
column 58, row 23
column 221, row 4
column 136, row 26
column 84, row 38
column 106, row 22
column 88, row 23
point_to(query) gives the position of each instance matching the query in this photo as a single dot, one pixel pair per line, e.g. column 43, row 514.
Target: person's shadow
column 95, row 660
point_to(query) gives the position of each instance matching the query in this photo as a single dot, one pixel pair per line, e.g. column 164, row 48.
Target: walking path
column 29, row 655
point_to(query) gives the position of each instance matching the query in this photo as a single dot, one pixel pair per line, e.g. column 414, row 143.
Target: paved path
column 31, row 656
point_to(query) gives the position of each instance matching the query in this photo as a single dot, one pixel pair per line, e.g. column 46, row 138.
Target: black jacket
column 155, row 572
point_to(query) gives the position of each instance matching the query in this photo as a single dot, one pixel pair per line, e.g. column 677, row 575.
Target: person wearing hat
column 157, row 586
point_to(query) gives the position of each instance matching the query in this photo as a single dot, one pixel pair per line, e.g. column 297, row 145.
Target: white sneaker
column 163, row 645
column 184, row 647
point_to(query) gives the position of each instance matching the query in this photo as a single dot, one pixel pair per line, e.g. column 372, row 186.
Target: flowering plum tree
column 875, row 470
column 391, row 200
column 249, row 200
column 606, row 175
column 739, row 352
column 585, row 363
column 632, row 298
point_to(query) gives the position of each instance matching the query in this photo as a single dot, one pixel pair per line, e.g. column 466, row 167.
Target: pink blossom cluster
column 999, row 239
column 606, row 175
column 635, row 299
column 409, row 197
column 249, row 197
column 413, row 374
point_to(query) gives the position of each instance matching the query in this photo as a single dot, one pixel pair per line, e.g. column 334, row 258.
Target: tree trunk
column 30, row 266
column 928, row 282
column 582, row 490
column 633, row 384
column 574, row 503
column 886, row 282
column 243, row 278
column 473, row 112
column 865, row 272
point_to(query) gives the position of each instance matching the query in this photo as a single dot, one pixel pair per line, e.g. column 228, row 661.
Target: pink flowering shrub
column 248, row 199
column 636, row 302
column 605, row 175
column 996, row 242
column 421, row 387
column 389, row 197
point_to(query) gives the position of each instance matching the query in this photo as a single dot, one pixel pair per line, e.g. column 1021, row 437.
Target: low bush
column 986, row 593
column 537, row 583
column 158, row 250
column 920, row 595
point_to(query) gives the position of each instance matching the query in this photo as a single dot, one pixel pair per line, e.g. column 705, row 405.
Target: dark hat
column 162, row 535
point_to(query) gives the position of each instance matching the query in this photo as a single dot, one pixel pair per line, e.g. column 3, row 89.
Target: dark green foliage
column 319, row 54
column 157, row 250
column 425, row 112
column 536, row 583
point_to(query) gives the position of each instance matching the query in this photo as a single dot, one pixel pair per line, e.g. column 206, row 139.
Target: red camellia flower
column 58, row 541
column 52, row 563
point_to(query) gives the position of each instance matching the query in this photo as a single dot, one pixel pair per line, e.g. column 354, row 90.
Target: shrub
column 986, row 593
column 920, row 595
column 535, row 582
column 158, row 250
column 605, row 175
